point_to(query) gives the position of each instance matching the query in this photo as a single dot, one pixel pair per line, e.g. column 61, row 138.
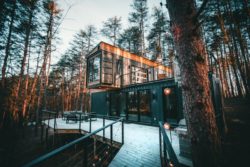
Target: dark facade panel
column 102, row 99
column 143, row 103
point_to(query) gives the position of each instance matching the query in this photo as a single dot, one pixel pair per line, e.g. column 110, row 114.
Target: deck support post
column 122, row 131
column 90, row 123
column 111, row 135
column 103, row 132
column 160, row 144
column 42, row 130
column 80, row 122
column 165, row 154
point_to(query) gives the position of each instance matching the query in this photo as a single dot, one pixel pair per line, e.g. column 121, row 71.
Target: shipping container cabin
column 140, row 90
column 112, row 67
column 130, row 86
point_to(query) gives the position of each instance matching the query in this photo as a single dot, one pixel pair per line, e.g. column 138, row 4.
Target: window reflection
column 144, row 106
column 107, row 68
column 138, row 75
column 132, row 106
column 94, row 69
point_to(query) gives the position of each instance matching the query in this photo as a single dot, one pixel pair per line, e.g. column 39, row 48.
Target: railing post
column 46, row 135
column 122, row 131
column 55, row 122
column 42, row 129
column 103, row 124
column 90, row 123
column 49, row 120
column 160, row 143
column 111, row 135
column 165, row 154
column 80, row 122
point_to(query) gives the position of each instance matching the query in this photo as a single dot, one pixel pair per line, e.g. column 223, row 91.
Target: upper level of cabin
column 112, row 67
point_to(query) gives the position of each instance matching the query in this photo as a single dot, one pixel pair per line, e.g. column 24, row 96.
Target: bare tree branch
column 201, row 9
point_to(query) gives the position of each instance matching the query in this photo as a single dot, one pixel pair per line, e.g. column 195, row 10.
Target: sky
column 81, row 13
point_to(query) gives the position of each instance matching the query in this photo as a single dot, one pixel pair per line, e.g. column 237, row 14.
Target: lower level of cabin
column 145, row 103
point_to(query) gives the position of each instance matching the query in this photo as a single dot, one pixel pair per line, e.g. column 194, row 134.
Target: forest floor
column 236, row 143
column 23, row 146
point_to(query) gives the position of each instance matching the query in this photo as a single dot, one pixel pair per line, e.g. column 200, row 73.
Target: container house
column 130, row 86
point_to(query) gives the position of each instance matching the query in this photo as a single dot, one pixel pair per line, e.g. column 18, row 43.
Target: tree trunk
column 237, row 55
column 19, row 86
column 229, row 70
column 8, row 43
column 236, row 32
column 3, row 89
column 198, row 107
column 31, row 96
column 227, row 40
column 224, row 76
column 25, row 94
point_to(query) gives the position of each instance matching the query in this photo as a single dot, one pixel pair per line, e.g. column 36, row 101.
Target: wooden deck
column 141, row 142
column 140, row 149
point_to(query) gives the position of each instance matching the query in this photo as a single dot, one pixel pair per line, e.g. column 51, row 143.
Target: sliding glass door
column 138, row 106
column 132, row 107
column 144, row 106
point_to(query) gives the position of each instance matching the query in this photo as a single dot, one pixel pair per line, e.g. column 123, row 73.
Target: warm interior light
column 167, row 126
column 167, row 91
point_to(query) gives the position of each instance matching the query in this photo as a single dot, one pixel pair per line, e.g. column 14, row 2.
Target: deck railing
column 167, row 154
column 48, row 115
column 82, row 141
column 52, row 116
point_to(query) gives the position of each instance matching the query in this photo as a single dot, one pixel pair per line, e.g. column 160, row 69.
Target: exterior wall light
column 170, row 164
column 167, row 91
column 166, row 126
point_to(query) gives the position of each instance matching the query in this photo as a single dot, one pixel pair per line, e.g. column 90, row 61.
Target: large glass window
column 132, row 106
column 94, row 70
column 138, row 105
column 107, row 68
column 138, row 75
column 144, row 106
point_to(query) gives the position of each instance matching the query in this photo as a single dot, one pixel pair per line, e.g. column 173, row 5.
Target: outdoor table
column 81, row 116
column 65, row 114
column 71, row 117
